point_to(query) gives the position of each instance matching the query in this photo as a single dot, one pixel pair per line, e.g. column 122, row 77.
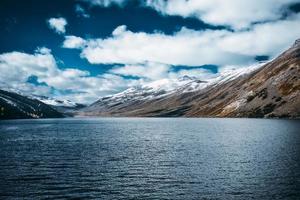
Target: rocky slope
column 272, row 90
column 16, row 106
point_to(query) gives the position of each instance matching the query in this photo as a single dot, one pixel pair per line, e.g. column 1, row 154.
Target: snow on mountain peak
column 159, row 88
column 55, row 102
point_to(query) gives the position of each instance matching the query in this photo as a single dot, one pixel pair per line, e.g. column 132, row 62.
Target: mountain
column 54, row 102
column 67, row 107
column 269, row 90
column 16, row 106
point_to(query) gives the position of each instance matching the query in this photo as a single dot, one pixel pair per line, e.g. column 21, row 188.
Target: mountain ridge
column 263, row 92
column 16, row 106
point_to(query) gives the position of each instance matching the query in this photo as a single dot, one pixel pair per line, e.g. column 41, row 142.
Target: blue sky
column 84, row 49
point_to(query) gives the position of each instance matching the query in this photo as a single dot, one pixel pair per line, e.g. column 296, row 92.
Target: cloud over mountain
column 110, row 45
column 189, row 47
column 17, row 68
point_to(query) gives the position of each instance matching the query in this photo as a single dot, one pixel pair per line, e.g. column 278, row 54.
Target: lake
column 150, row 158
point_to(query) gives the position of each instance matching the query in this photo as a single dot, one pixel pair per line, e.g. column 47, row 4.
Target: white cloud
column 119, row 30
column 149, row 70
column 17, row 67
column 58, row 24
column 186, row 47
column 234, row 13
column 190, row 47
column 81, row 11
column 73, row 42
column 264, row 39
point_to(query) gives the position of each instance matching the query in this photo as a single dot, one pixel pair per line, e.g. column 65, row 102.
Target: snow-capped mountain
column 262, row 90
column 63, row 106
column 164, row 87
column 51, row 101
column 55, row 102
column 16, row 106
column 152, row 90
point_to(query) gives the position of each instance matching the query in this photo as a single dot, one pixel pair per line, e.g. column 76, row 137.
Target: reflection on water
column 152, row 158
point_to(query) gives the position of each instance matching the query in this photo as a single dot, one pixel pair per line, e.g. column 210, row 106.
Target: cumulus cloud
column 263, row 39
column 149, row 70
column 73, row 42
column 234, row 13
column 58, row 24
column 119, row 30
column 17, row 67
column 186, row 47
column 190, row 47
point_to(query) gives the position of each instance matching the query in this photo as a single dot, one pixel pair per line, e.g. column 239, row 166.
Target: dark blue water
column 150, row 159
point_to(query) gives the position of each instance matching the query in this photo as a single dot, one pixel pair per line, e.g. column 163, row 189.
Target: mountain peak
column 297, row 43
column 187, row 78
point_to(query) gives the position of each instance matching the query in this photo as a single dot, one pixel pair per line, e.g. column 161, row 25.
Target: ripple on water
column 150, row 159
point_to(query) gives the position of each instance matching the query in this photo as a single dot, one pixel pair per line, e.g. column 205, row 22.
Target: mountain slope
column 16, row 106
column 272, row 90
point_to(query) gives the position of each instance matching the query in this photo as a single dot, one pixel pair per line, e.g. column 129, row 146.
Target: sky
column 82, row 50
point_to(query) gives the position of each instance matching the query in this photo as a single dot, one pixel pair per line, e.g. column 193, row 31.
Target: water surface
column 150, row 158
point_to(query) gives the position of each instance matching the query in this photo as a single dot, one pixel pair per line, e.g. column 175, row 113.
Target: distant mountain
column 16, row 106
column 66, row 107
column 54, row 102
column 269, row 90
